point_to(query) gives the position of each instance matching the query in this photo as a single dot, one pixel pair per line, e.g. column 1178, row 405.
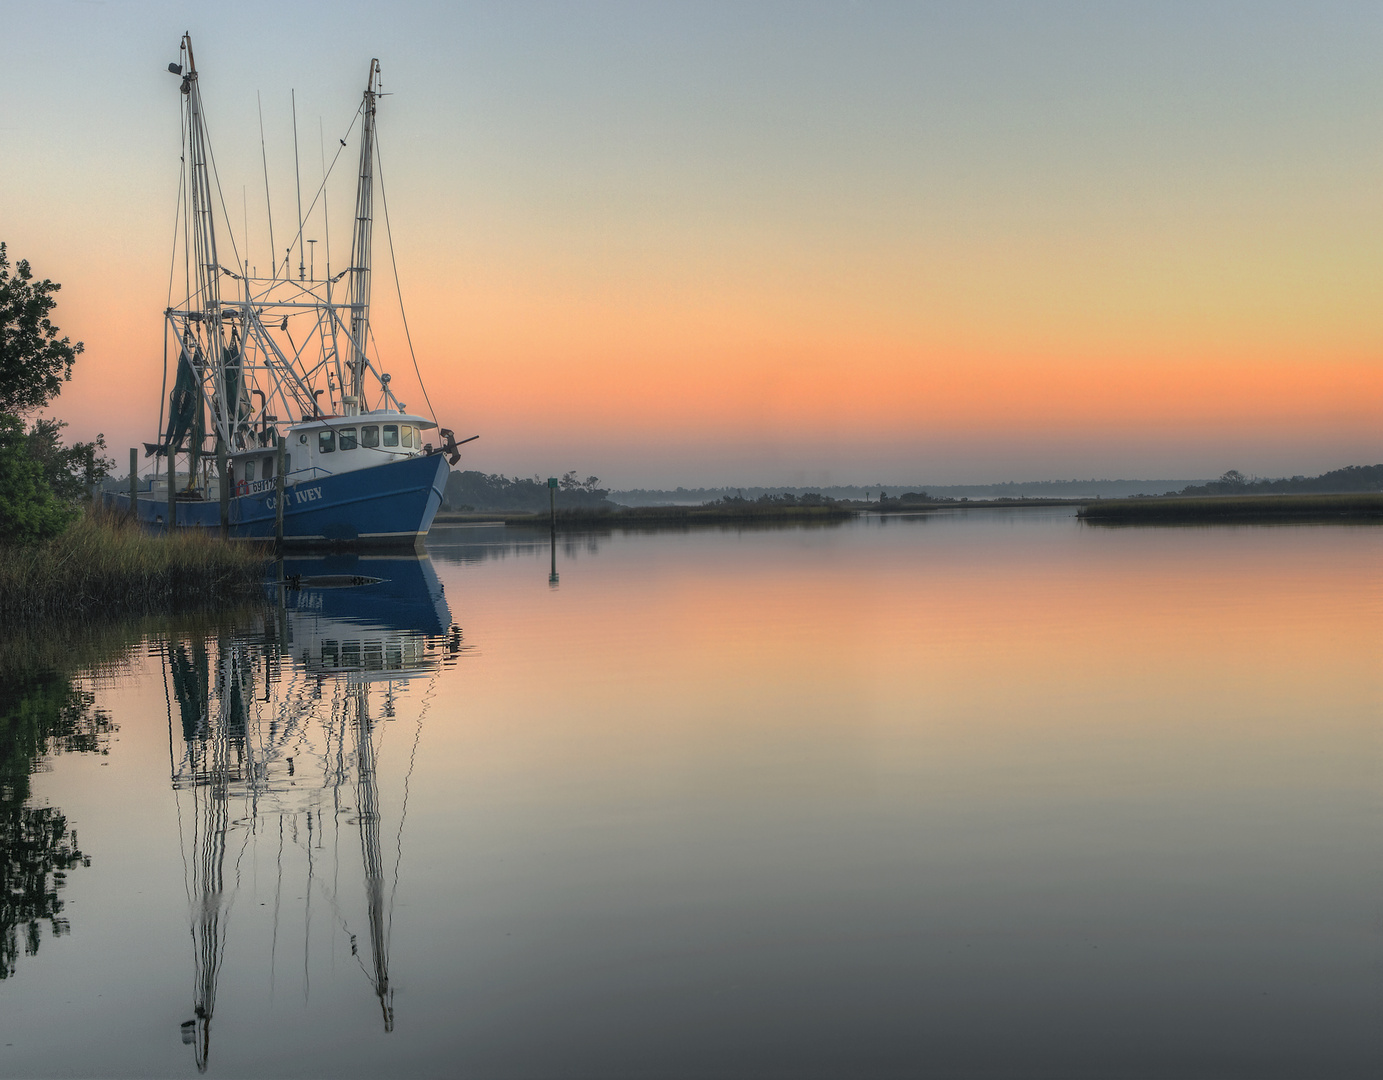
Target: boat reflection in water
column 274, row 730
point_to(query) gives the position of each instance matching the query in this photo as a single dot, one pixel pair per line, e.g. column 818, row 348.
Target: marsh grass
column 105, row 564
column 1232, row 509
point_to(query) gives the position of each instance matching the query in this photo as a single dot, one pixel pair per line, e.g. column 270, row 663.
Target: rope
column 389, row 232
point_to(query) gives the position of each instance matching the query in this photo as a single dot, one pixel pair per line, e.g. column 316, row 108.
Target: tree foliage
column 1350, row 478
column 40, row 479
column 29, row 510
column 34, row 360
column 494, row 492
column 69, row 471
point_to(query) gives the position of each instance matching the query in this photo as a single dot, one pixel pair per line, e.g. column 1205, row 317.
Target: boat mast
column 200, row 321
column 360, row 248
column 208, row 294
column 367, row 813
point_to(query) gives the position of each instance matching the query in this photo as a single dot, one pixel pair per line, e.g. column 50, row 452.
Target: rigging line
column 186, row 147
column 307, row 916
column 298, row 179
column 321, row 190
column 278, row 894
column 326, row 210
column 172, row 269
column 268, row 206
column 403, row 813
column 389, row 232
column 221, row 195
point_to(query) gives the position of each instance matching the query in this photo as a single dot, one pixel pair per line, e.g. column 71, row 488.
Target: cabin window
column 391, row 434
column 406, row 435
column 268, row 469
column 250, row 469
column 287, row 464
column 326, row 441
column 369, row 436
column 347, row 438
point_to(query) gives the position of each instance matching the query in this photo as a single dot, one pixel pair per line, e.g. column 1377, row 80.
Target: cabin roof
column 358, row 419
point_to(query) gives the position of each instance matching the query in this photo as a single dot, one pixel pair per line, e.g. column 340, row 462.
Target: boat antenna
column 268, row 206
column 297, row 175
column 326, row 211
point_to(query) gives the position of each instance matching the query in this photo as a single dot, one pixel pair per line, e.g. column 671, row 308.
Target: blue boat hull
column 383, row 506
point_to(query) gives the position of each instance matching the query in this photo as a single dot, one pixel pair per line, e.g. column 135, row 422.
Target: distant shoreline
column 1131, row 511
column 719, row 514
column 1229, row 509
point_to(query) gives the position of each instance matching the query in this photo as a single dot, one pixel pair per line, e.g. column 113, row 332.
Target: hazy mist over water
column 975, row 794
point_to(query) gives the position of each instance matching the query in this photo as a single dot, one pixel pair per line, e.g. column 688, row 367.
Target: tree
column 40, row 478
column 29, row 511
column 69, row 471
column 34, row 361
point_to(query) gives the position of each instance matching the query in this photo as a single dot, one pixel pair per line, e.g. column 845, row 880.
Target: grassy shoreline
column 106, row 564
column 1230, row 509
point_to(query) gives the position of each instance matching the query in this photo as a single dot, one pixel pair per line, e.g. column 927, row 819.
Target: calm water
column 976, row 795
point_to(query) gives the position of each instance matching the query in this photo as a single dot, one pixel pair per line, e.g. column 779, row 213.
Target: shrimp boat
column 278, row 393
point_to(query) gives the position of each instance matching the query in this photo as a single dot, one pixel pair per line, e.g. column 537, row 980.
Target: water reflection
column 791, row 802
column 41, row 715
column 469, row 544
column 272, row 732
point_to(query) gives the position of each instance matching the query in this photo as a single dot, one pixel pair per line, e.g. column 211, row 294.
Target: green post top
column 552, row 481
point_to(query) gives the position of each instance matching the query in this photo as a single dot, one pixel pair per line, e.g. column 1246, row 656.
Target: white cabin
column 327, row 445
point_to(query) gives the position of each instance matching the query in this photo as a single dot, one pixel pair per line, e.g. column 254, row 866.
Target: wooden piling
column 223, row 474
column 134, row 483
column 172, row 518
column 280, row 489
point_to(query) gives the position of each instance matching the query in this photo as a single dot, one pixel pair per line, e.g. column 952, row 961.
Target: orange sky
column 699, row 246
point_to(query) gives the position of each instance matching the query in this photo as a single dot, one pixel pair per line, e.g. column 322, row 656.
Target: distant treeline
column 737, row 501
column 1350, row 478
column 497, row 492
column 1033, row 489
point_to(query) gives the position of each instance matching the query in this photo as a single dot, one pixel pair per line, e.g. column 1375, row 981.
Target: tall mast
column 206, row 348
column 360, row 248
column 367, row 813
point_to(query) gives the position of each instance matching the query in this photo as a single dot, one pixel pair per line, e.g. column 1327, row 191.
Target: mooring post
column 552, row 500
column 280, row 490
column 172, row 491
column 134, row 483
column 223, row 472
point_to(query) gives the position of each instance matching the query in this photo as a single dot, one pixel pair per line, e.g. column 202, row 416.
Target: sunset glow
column 705, row 244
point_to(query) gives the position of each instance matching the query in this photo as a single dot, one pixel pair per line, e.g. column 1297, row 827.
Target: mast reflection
column 271, row 731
